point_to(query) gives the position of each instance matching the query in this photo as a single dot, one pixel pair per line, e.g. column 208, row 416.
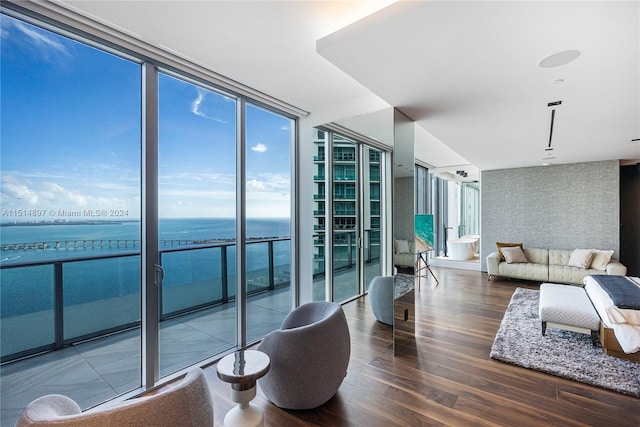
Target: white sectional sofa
column 551, row 265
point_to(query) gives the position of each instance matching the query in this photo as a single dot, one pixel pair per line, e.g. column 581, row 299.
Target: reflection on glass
column 319, row 215
column 355, row 181
column 268, row 213
column 345, row 253
column 371, row 172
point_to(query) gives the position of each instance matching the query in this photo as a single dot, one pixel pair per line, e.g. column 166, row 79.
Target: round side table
column 242, row 369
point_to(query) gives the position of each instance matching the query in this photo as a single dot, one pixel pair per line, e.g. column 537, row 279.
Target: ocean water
column 189, row 267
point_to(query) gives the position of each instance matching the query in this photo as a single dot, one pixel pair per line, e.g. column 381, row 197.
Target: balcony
column 97, row 358
column 78, row 320
column 82, row 297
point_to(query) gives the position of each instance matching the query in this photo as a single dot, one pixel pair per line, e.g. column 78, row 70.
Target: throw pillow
column 402, row 246
column 501, row 245
column 514, row 254
column 601, row 259
column 581, row 258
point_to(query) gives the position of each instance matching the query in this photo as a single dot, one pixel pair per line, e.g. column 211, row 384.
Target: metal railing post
column 349, row 250
column 58, row 301
column 271, row 267
column 224, row 273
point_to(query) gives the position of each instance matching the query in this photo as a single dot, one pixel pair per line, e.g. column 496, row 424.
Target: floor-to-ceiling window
column 197, row 225
column 456, row 210
column 268, row 143
column 70, row 227
column 423, row 191
column 440, row 206
column 469, row 209
column 347, row 212
column 320, row 145
column 78, row 140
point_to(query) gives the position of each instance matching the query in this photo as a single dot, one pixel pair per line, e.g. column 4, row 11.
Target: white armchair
column 187, row 404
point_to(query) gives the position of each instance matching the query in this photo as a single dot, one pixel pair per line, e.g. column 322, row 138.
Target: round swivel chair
column 309, row 356
column 381, row 298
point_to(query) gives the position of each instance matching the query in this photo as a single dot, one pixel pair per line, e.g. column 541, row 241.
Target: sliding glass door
column 70, row 229
column 268, row 139
column 197, row 225
column 347, row 215
column 371, row 231
column 125, row 187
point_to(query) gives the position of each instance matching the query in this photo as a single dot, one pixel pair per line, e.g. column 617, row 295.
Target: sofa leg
column 544, row 328
column 489, row 277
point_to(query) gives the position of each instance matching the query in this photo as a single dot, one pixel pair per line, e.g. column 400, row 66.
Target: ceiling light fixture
column 553, row 115
column 558, row 59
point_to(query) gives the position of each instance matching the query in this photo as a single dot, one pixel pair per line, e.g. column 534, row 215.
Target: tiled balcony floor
column 101, row 369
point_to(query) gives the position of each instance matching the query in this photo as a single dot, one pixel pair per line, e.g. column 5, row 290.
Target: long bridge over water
column 119, row 243
column 101, row 243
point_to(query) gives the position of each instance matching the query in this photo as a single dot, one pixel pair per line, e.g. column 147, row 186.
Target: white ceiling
column 466, row 72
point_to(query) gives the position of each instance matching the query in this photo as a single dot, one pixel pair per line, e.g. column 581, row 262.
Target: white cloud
column 259, row 147
column 255, row 185
column 17, row 191
column 20, row 192
column 196, row 106
column 220, row 179
column 40, row 39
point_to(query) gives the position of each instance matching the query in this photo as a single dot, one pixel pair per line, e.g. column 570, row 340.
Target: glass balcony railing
column 50, row 304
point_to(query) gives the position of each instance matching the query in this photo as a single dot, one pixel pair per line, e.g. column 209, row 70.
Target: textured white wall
column 557, row 207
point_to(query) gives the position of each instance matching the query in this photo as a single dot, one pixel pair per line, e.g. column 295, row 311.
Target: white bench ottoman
column 568, row 307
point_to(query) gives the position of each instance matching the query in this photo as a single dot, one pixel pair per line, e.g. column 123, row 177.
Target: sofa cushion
column 402, row 246
column 601, row 259
column 537, row 255
column 501, row 245
column 572, row 275
column 527, row 271
column 580, row 258
column 559, row 256
column 514, row 254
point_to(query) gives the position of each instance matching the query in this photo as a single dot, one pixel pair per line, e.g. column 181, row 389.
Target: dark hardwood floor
column 448, row 378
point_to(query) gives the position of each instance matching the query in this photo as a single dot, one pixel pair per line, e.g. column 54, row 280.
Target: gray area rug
column 562, row 353
column 404, row 283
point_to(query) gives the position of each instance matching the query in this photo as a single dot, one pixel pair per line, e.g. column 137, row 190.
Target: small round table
column 242, row 369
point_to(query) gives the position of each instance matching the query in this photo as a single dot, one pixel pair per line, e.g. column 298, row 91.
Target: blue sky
column 70, row 137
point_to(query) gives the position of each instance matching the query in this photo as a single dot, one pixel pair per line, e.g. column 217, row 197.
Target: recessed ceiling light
column 558, row 59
